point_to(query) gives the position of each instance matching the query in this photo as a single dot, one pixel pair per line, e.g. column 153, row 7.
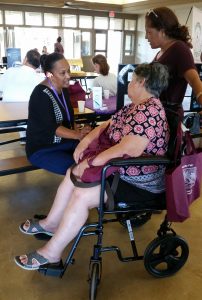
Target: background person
column 17, row 83
column 44, row 50
column 164, row 31
column 106, row 80
column 58, row 46
column 139, row 128
column 51, row 136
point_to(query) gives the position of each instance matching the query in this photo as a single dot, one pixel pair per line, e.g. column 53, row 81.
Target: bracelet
column 90, row 161
column 198, row 95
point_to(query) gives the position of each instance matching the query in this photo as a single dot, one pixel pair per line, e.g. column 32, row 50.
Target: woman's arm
column 67, row 133
column 132, row 145
column 78, row 153
column 193, row 79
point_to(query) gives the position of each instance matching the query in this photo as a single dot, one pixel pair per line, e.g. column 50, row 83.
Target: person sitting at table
column 17, row 83
column 138, row 128
column 51, row 133
column 106, row 80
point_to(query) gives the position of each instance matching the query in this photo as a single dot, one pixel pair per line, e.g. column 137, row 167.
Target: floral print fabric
column 149, row 120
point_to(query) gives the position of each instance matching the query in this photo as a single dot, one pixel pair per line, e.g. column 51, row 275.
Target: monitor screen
column 125, row 73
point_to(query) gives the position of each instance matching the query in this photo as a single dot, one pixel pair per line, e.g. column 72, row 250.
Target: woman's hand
column 80, row 168
column 82, row 131
column 78, row 152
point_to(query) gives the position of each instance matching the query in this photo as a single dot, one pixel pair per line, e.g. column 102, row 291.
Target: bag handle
column 190, row 147
column 81, row 184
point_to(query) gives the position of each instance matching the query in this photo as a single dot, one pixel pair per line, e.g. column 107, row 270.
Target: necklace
column 62, row 102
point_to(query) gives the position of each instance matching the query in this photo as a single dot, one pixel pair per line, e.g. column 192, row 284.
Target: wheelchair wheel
column 166, row 255
column 94, row 280
column 136, row 219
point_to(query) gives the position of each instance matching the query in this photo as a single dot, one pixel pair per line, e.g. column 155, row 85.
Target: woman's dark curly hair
column 164, row 18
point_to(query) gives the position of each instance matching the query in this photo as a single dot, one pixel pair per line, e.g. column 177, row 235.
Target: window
column 1, row 19
column 85, row 22
column 72, row 43
column 85, row 43
column 13, row 17
column 100, row 23
column 116, row 24
column 51, row 20
column 33, row 18
column 130, row 24
column 35, row 38
column 2, row 53
column 129, row 44
column 100, row 43
column 69, row 21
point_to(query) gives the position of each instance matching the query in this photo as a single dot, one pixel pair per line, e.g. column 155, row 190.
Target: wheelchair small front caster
column 94, row 280
column 166, row 255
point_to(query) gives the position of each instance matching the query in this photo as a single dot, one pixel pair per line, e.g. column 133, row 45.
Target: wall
column 144, row 53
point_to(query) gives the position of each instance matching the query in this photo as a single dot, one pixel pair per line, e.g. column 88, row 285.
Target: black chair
column 164, row 256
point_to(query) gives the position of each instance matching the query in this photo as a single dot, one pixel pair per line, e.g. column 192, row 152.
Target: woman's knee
column 86, row 197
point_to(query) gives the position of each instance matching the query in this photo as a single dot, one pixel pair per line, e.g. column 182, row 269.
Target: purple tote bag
column 183, row 183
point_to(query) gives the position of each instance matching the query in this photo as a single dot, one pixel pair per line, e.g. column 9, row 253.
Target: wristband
column 198, row 95
column 90, row 161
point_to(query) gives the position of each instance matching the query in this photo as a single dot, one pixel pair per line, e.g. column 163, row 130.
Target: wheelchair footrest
column 55, row 270
column 42, row 237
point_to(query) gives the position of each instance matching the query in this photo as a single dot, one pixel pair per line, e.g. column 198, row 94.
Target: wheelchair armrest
column 141, row 160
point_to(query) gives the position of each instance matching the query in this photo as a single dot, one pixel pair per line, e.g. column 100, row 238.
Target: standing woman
column 164, row 31
column 106, row 80
column 51, row 137
column 58, row 48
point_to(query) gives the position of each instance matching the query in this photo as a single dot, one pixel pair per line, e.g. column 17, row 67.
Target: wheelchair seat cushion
column 130, row 197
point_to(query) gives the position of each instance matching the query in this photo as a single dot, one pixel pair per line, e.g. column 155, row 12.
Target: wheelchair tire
column 94, row 280
column 136, row 219
column 166, row 255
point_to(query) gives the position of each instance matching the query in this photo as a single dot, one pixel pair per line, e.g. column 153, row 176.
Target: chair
column 163, row 257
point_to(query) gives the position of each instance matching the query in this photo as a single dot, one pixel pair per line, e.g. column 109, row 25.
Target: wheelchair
column 163, row 257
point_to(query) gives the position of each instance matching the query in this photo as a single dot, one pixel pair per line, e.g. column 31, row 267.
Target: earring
column 49, row 75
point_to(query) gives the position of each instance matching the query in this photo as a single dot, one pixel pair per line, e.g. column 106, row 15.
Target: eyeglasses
column 151, row 11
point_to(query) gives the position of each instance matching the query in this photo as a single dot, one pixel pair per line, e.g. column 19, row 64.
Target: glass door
column 101, row 42
column 114, row 54
column 129, row 48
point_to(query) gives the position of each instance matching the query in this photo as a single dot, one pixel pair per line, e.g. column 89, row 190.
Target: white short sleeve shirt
column 17, row 84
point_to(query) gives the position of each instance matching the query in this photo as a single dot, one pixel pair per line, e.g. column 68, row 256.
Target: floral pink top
column 149, row 120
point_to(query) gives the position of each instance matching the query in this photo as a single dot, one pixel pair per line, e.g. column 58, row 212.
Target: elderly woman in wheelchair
column 140, row 128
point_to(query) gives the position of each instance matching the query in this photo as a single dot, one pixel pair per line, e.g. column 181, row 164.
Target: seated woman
column 51, row 134
column 106, row 80
column 136, row 129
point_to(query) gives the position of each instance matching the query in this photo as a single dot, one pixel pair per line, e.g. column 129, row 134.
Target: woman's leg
column 56, row 159
column 74, row 217
column 63, row 195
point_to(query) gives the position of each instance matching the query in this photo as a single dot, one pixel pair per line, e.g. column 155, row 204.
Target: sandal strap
column 39, row 258
column 34, row 224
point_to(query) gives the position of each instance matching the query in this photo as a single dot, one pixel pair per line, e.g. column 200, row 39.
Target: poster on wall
column 197, row 34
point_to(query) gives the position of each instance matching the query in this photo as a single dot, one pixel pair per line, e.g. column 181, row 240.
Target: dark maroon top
column 179, row 59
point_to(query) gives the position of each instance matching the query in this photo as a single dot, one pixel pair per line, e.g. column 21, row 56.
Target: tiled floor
column 23, row 195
